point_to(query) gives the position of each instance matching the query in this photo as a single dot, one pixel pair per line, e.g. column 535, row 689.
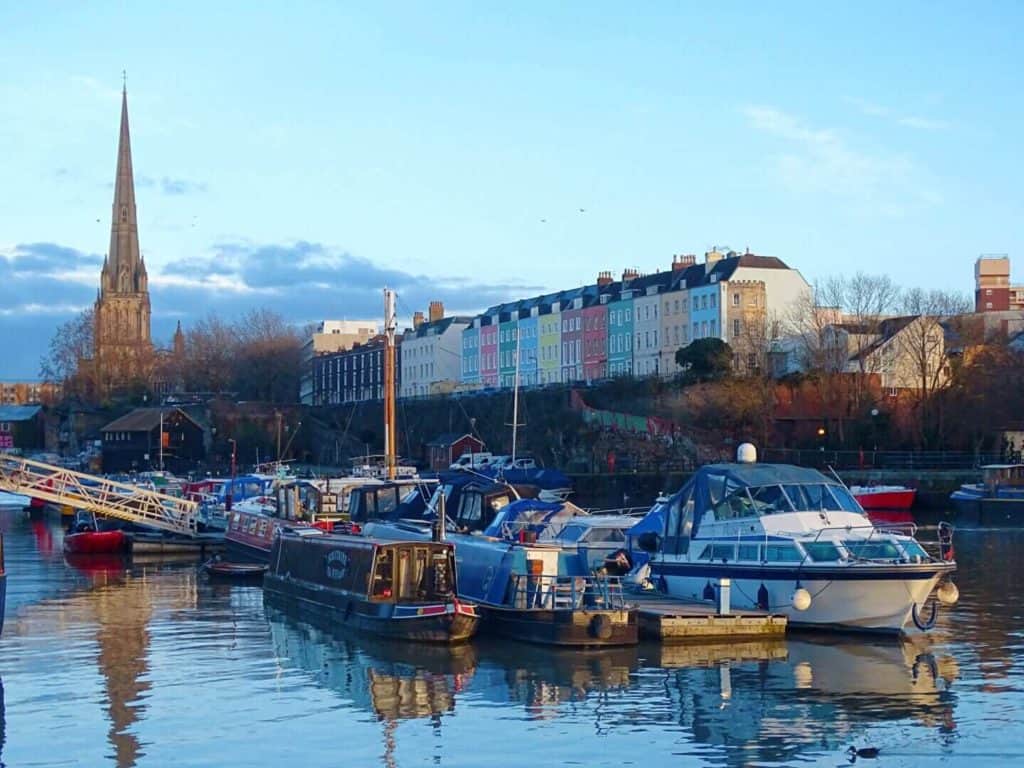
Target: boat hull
column 888, row 500
column 96, row 543
column 456, row 624
column 567, row 628
column 988, row 511
column 865, row 599
column 159, row 542
column 3, row 598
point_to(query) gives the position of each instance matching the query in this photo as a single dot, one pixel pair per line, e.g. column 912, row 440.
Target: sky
column 302, row 156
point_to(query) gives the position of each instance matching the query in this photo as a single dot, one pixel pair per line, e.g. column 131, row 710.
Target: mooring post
column 724, row 586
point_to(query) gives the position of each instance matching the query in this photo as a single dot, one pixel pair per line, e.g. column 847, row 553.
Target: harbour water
column 154, row 665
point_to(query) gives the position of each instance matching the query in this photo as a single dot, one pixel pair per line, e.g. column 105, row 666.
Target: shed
column 140, row 439
column 21, row 427
column 446, row 448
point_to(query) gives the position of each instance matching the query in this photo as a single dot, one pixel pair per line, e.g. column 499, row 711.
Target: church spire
column 124, row 272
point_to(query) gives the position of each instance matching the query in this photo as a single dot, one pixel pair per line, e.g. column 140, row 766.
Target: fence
column 822, row 459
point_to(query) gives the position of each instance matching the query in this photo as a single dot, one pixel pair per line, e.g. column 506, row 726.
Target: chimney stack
column 604, row 278
column 681, row 262
column 630, row 273
column 436, row 311
column 417, row 320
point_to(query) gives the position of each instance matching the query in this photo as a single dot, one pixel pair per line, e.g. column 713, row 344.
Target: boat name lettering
column 337, row 564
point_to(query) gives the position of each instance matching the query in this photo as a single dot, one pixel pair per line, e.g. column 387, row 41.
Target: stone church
column 123, row 349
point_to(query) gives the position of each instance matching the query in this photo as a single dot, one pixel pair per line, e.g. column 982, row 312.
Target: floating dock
column 669, row 620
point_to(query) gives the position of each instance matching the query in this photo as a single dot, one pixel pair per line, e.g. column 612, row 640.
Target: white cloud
column 820, row 161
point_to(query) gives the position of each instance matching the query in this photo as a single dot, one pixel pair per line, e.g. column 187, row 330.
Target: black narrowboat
column 399, row 589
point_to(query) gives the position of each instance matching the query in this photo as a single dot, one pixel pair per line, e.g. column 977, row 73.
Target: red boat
column 95, row 543
column 873, row 497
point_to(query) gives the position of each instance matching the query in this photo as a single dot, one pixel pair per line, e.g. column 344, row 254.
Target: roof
column 886, row 330
column 451, row 438
column 437, row 327
column 143, row 420
column 18, row 412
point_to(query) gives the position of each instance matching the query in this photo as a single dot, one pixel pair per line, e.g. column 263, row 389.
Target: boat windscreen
column 791, row 497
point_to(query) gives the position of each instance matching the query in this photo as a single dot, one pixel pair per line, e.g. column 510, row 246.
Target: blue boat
column 997, row 500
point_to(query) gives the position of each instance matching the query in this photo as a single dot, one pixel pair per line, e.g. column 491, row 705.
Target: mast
column 389, row 383
column 515, row 401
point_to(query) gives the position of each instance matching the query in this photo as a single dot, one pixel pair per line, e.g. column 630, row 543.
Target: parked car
column 506, row 462
column 472, row 461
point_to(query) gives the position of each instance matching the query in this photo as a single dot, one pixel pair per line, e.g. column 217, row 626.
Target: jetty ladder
column 93, row 493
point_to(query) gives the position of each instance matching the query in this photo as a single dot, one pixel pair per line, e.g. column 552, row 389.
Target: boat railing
column 567, row 592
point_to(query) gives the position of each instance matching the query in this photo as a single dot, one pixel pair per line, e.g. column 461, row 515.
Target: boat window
column 355, row 507
column 821, row 551
column 706, row 554
column 749, row 552
column 414, row 573
column 606, row 535
column 913, row 549
column 471, row 509
column 845, row 499
column 383, row 574
column 811, row 497
column 735, row 506
column 263, row 528
column 572, row 533
column 723, row 551
column 387, row 500
column 769, row 499
column 442, row 574
column 499, row 502
column 872, row 550
column 782, row 553
column 716, row 488
column 234, row 521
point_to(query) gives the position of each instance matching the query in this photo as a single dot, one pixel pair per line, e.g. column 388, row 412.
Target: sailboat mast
column 515, row 401
column 389, row 384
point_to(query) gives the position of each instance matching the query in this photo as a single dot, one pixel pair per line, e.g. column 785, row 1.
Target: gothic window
column 124, row 213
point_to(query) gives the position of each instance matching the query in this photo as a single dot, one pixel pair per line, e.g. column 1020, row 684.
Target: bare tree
column 69, row 359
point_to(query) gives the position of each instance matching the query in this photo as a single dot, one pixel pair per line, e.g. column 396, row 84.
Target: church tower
column 123, row 349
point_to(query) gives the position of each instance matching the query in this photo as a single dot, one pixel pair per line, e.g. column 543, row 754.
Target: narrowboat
column 544, row 592
column 790, row 540
column 397, row 589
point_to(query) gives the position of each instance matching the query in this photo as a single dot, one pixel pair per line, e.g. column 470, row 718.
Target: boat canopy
column 749, row 490
column 528, row 515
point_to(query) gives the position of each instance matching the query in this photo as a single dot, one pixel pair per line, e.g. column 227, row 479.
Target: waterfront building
column 549, row 342
column 21, row 427
column 572, row 336
column 746, row 326
column 528, row 342
column 327, row 337
column 432, row 354
column 647, row 323
column 620, row 329
column 992, row 289
column 675, row 314
column 123, row 350
column 354, row 375
column 489, row 350
column 152, row 438
column 471, row 353
column 595, row 333
column 508, row 331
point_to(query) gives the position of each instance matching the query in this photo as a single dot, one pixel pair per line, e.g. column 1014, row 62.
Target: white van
column 471, row 461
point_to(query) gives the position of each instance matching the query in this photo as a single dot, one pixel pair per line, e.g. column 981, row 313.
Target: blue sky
column 299, row 156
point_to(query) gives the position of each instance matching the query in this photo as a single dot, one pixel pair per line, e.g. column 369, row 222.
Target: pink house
column 489, row 355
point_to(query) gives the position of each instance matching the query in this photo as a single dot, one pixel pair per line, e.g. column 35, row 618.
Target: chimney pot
column 436, row 311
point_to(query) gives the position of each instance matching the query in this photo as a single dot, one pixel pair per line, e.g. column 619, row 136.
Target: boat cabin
column 377, row 571
column 996, row 476
column 383, row 501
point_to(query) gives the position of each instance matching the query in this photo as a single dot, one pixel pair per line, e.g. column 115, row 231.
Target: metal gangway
column 93, row 493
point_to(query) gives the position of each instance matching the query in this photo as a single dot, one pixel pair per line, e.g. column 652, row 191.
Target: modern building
column 432, row 354
column 354, row 375
column 329, row 336
column 992, row 289
column 123, row 350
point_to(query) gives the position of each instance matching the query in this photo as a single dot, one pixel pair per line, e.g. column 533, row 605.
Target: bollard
column 723, row 596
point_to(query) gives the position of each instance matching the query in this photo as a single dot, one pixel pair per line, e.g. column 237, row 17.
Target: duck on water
column 791, row 540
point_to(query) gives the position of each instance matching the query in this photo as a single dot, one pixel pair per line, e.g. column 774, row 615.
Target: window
column 819, row 551
column 748, row 552
column 872, row 550
column 782, row 553
column 735, row 329
column 735, row 299
column 714, row 300
column 704, row 302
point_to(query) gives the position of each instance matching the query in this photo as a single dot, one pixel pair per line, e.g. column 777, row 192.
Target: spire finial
column 124, row 81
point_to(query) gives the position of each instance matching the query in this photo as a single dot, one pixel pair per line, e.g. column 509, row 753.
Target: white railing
column 109, row 498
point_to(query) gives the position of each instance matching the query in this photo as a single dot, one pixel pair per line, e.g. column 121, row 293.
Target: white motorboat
column 789, row 540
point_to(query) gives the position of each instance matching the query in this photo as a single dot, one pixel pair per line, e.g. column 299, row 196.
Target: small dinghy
column 85, row 536
column 228, row 570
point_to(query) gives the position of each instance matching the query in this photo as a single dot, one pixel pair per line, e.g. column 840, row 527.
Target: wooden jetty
column 670, row 620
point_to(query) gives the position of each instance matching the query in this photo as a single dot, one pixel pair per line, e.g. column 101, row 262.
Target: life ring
column 601, row 627
column 924, row 626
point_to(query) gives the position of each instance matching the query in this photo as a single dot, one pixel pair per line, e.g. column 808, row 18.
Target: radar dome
column 746, row 454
